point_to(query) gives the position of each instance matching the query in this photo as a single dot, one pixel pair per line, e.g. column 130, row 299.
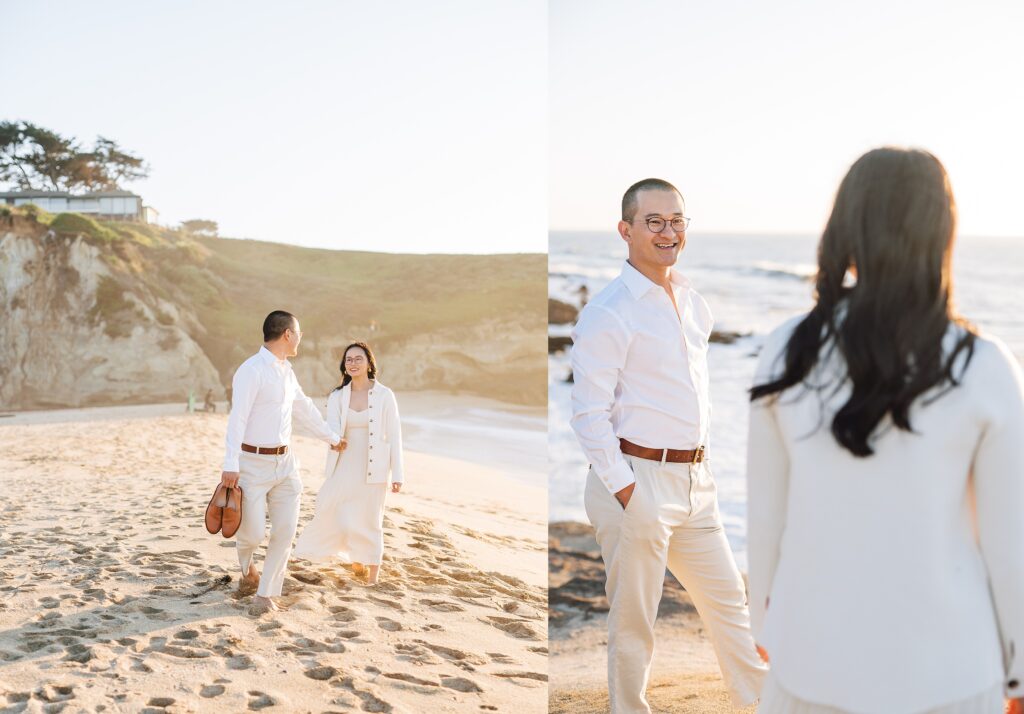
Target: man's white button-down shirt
column 265, row 397
column 640, row 372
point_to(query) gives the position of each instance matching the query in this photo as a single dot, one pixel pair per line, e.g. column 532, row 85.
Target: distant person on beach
column 886, row 472
column 258, row 459
column 641, row 411
column 349, row 520
column 584, row 295
column 208, row 404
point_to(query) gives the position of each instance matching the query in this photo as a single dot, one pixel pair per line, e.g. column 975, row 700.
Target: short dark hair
column 276, row 323
column 629, row 200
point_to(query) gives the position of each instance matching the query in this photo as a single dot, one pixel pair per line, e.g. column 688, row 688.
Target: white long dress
column 348, row 522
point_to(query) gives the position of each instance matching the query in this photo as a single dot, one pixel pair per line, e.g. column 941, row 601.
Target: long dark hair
column 371, row 364
column 894, row 223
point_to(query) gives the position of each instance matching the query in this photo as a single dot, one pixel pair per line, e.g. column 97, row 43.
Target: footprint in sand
column 243, row 661
column 387, row 603
column 320, row 673
column 459, row 657
column 370, row 702
column 442, row 605
column 501, row 658
column 415, row 653
column 260, row 700
column 342, row 613
column 536, row 676
column 212, row 690
column 385, row 623
column 516, row 628
column 460, row 684
column 403, row 677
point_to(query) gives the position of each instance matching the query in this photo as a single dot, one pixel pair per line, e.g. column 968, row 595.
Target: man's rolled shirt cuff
column 617, row 477
column 231, row 465
column 334, row 439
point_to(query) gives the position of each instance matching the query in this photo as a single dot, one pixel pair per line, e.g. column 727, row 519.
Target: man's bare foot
column 371, row 574
column 261, row 605
column 249, row 582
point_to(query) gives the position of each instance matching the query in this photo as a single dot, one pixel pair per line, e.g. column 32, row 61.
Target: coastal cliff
column 97, row 313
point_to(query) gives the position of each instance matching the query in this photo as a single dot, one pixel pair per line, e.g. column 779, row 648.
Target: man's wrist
column 618, row 477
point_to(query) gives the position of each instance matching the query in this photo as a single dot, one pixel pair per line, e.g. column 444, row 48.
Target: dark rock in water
column 725, row 337
column 561, row 313
column 557, row 343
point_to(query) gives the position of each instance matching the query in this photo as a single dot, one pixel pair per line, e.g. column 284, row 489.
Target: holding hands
column 340, row 446
column 397, row 486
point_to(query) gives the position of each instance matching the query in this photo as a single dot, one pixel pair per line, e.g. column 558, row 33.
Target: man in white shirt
column 266, row 398
column 641, row 412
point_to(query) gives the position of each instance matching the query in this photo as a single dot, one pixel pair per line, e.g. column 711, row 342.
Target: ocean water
column 752, row 284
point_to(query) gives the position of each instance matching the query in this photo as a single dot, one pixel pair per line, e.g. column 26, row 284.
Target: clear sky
column 756, row 110
column 404, row 126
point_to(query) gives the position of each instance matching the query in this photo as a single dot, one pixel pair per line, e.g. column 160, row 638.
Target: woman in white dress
column 348, row 523
column 885, row 472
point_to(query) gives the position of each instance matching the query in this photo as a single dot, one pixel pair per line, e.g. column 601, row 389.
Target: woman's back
column 879, row 595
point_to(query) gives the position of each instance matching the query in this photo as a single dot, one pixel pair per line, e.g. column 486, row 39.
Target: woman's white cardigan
column 385, row 437
column 896, row 581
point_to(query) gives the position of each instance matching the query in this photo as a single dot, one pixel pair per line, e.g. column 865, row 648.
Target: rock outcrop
column 62, row 347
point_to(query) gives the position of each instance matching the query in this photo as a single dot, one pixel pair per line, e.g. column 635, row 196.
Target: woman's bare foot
column 358, row 569
column 371, row 574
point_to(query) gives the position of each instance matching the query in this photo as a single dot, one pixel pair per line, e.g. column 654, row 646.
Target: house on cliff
column 108, row 205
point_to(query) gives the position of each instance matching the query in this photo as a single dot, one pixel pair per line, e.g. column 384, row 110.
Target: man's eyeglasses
column 657, row 225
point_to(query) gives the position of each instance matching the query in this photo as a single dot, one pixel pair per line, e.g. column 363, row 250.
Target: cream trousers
column 672, row 520
column 269, row 484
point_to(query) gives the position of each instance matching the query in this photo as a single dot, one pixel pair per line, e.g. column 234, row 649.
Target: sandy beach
column 685, row 678
column 114, row 598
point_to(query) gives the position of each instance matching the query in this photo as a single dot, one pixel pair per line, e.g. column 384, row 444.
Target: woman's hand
column 340, row 446
column 1015, row 706
column 764, row 656
column 396, row 487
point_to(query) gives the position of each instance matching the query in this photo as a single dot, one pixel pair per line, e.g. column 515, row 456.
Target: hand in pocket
column 625, row 495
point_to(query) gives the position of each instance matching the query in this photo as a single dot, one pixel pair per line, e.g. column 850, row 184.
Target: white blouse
column 385, row 432
column 895, row 581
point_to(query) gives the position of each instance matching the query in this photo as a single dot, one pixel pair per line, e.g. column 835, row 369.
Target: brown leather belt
column 676, row 456
column 265, row 450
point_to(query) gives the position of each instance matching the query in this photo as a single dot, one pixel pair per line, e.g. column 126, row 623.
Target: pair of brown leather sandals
column 224, row 512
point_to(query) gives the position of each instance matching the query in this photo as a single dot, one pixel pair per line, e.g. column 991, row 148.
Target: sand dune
column 114, row 598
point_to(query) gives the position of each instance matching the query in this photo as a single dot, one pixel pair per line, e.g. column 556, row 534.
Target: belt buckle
column 698, row 455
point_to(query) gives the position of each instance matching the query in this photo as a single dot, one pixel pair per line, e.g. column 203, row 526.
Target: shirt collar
column 270, row 358
column 639, row 284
